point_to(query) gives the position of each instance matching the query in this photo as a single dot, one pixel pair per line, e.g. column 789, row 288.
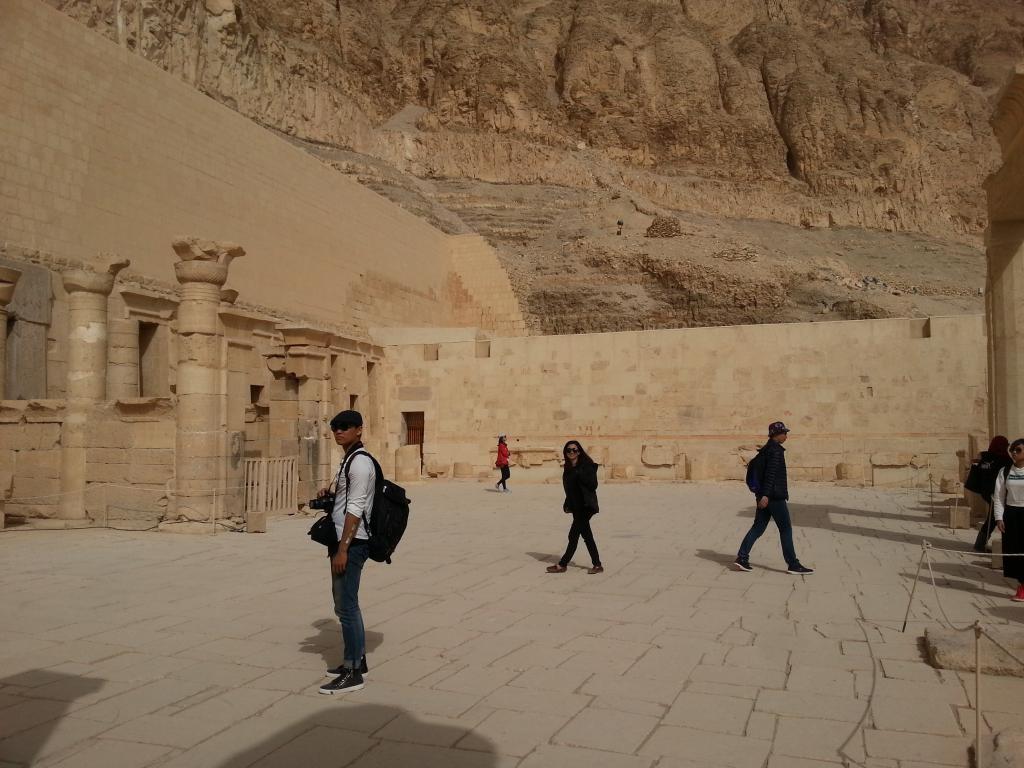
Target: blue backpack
column 755, row 471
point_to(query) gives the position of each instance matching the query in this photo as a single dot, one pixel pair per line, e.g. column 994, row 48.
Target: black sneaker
column 741, row 564
column 335, row 671
column 346, row 682
column 800, row 570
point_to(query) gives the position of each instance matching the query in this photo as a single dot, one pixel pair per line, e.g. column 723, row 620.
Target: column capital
column 204, row 261
column 80, row 280
column 8, row 280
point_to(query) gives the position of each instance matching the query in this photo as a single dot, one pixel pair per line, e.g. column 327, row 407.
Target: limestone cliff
column 813, row 113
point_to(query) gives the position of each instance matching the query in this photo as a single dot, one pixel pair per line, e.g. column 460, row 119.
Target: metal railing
column 271, row 485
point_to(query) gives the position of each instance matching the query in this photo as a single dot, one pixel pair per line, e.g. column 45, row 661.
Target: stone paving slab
column 146, row 649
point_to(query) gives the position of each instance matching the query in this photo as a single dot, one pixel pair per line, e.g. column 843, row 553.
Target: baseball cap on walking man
column 777, row 428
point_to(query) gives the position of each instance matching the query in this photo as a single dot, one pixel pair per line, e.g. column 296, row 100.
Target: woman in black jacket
column 579, row 479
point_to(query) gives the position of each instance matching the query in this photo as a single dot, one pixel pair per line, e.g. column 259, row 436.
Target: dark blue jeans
column 346, row 603
column 778, row 511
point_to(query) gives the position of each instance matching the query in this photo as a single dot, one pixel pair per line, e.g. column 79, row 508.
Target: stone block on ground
column 948, row 649
column 256, row 522
column 462, row 469
column 658, row 455
column 849, row 471
column 620, row 472
column 407, row 462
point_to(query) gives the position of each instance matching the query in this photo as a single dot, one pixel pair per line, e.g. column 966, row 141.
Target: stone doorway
column 412, row 422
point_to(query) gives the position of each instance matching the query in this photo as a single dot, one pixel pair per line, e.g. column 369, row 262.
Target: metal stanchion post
column 977, row 694
column 924, row 551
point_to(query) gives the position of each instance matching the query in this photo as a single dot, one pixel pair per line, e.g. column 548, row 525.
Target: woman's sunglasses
column 572, row 450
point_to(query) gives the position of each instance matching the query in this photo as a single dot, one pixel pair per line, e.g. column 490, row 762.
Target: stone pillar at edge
column 1005, row 310
column 8, row 282
column 86, row 382
column 201, row 444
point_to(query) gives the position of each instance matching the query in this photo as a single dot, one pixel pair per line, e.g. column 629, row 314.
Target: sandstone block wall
column 101, row 151
column 479, row 292
column 129, row 458
column 881, row 401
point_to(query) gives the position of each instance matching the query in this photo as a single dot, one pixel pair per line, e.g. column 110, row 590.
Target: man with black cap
column 772, row 493
column 353, row 505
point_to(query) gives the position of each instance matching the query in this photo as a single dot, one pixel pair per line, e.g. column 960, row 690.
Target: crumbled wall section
column 129, row 459
column 30, row 451
column 695, row 403
column 101, row 151
column 479, row 292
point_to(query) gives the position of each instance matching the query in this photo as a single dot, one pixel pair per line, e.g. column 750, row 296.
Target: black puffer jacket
column 580, row 485
column 774, row 485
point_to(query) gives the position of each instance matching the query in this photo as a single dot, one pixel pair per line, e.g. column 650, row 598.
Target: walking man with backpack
column 766, row 478
column 353, row 505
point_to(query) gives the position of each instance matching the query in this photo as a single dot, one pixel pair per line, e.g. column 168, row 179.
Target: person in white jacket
column 1008, row 511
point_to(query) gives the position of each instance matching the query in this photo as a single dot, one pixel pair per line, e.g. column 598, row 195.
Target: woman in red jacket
column 502, row 464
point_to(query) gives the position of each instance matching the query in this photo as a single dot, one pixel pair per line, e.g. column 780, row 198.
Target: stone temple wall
column 103, row 152
column 884, row 402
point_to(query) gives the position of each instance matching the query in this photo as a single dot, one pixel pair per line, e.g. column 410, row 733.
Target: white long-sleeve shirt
column 355, row 496
column 1008, row 492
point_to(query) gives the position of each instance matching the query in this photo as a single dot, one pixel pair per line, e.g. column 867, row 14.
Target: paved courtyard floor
column 127, row 649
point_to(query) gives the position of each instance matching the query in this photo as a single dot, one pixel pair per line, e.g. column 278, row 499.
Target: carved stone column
column 1005, row 319
column 8, row 281
column 200, row 448
column 86, row 375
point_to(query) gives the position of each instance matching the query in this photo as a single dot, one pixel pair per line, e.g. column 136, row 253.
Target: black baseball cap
column 777, row 428
column 346, row 419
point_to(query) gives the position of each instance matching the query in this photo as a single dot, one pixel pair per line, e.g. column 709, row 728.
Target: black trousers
column 1013, row 543
column 581, row 527
column 506, row 473
column 985, row 532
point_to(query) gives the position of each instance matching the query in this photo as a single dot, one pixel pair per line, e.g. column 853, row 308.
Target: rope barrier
column 977, row 627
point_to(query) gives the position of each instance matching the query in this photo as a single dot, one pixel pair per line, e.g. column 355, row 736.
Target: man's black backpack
column 390, row 514
column 755, row 471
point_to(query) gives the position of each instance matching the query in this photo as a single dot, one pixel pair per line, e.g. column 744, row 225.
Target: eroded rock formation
column 813, row 113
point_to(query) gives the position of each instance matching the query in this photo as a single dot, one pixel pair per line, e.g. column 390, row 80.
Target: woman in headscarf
column 1008, row 510
column 982, row 481
column 579, row 480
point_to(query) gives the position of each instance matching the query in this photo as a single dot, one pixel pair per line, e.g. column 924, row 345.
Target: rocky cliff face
column 850, row 112
column 813, row 113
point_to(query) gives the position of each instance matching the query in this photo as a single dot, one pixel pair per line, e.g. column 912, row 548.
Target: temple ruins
column 157, row 378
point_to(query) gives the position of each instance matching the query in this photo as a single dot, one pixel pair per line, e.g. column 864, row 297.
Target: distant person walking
column 502, row 464
column 1008, row 510
column 579, row 481
column 771, row 491
column 981, row 480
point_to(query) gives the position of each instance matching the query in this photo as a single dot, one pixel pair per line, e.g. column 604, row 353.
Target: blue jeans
column 776, row 510
column 346, row 603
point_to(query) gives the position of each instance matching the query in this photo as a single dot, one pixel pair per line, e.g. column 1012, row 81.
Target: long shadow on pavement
column 45, row 697
column 1013, row 613
column 356, row 735
column 820, row 516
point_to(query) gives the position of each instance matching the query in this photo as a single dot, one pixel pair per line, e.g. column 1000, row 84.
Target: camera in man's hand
column 323, row 502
